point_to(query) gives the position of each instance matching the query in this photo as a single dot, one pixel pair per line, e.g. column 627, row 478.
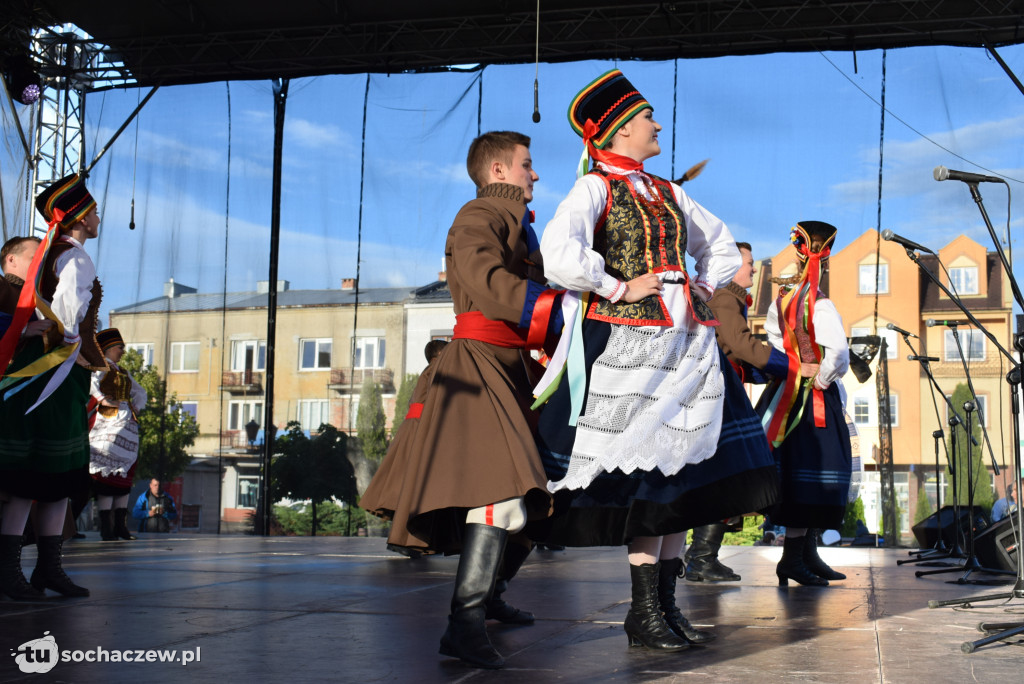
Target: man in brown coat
column 473, row 475
column 744, row 351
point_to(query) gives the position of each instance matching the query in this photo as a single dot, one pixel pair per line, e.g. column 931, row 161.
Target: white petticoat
column 655, row 399
column 113, row 443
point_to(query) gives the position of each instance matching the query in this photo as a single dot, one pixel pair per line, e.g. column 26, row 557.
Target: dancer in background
column 803, row 416
column 643, row 436
column 114, row 437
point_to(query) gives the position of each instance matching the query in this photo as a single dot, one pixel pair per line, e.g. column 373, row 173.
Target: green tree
column 924, row 506
column 403, row 399
column 968, row 458
column 165, row 430
column 854, row 512
column 316, row 469
column 371, row 423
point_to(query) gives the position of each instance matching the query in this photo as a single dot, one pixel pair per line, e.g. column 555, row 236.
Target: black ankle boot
column 497, row 609
column 106, row 526
column 466, row 638
column 121, row 530
column 813, row 561
column 12, row 581
column 645, row 624
column 49, row 574
column 792, row 565
column 674, row 618
column 702, row 564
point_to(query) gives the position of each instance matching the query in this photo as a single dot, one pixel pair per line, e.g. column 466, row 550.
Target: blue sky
column 790, row 137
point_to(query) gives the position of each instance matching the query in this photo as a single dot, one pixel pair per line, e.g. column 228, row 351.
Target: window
column 248, row 355
column 867, row 284
column 248, row 491
column 981, row 412
column 145, row 350
column 241, row 412
column 315, row 354
column 972, row 341
column 313, row 413
column 191, row 408
column 861, row 411
column 894, row 410
column 964, row 280
column 184, row 357
column 369, row 352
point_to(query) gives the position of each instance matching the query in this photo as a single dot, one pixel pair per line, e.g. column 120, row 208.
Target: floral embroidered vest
column 637, row 236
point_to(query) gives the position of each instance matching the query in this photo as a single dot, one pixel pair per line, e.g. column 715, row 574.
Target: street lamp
column 252, row 429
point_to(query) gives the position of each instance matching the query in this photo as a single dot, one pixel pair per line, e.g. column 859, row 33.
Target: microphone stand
column 999, row 631
column 939, row 550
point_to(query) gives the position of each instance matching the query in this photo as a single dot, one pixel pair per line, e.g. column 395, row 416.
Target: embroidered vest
column 90, row 351
column 805, row 348
column 637, row 236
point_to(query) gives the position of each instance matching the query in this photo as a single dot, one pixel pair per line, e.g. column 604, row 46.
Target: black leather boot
column 12, row 581
column 702, row 564
column 497, row 609
column 813, row 561
column 49, row 574
column 106, row 526
column 121, row 530
column 466, row 638
column 645, row 624
column 792, row 565
column 674, row 618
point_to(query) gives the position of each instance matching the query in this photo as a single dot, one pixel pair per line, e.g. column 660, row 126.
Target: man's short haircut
column 15, row 245
column 433, row 348
column 744, row 245
column 490, row 147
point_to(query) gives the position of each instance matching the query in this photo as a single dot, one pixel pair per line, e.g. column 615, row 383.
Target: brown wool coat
column 474, row 442
column 733, row 332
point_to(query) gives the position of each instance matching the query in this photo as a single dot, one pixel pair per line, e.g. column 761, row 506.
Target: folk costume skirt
column 44, row 455
column 814, row 464
column 736, row 477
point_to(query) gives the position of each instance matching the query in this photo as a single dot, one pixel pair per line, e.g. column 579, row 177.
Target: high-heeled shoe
column 792, row 565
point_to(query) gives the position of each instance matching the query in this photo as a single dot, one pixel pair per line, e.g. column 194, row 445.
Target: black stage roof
column 165, row 42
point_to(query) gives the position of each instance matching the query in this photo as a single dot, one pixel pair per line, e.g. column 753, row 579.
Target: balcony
column 346, row 379
column 242, row 382
column 234, row 439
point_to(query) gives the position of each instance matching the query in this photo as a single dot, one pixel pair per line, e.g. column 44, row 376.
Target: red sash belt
column 415, row 410
column 473, row 325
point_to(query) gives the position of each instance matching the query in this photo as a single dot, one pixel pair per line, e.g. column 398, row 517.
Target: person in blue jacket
column 154, row 509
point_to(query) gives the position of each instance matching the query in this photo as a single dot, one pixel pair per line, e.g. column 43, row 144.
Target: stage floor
column 347, row 610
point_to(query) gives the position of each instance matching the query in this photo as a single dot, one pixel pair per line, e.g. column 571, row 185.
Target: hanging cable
column 878, row 215
column 536, row 73
column 359, row 250
column 224, row 313
column 675, row 108
column 479, row 100
column 135, row 162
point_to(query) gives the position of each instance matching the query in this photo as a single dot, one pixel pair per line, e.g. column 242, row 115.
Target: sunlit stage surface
column 249, row 609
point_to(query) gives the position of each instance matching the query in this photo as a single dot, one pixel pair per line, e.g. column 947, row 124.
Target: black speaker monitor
column 927, row 531
column 996, row 547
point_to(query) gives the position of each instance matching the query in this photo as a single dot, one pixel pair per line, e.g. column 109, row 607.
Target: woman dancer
column 630, row 434
column 803, row 416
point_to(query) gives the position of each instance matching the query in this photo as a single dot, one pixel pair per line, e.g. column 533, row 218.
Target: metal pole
column 280, row 97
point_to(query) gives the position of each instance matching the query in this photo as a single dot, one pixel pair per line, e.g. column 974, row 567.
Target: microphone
column 915, row 357
column 901, row 331
column 536, row 103
column 941, row 173
column 899, row 240
column 931, row 323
